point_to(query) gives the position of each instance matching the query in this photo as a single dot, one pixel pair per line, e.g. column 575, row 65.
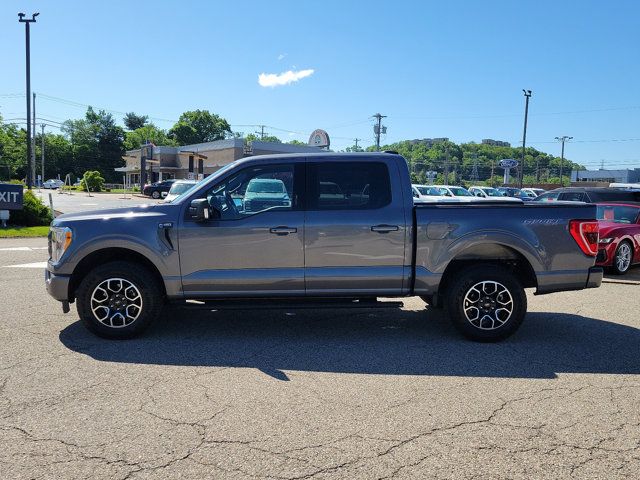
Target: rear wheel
column 622, row 258
column 486, row 303
column 119, row 300
column 155, row 194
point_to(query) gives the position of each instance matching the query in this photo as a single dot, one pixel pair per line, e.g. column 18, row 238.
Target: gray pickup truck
column 347, row 230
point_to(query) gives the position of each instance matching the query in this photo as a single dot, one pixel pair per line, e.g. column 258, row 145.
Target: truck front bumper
column 57, row 285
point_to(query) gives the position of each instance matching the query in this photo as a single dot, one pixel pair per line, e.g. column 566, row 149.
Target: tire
column 500, row 298
column 429, row 300
column 104, row 290
column 155, row 194
column 623, row 258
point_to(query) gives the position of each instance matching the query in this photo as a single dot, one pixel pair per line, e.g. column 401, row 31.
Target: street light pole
column 562, row 139
column 527, row 95
column 27, row 22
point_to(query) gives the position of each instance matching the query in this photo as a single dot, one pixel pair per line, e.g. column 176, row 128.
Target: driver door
column 254, row 242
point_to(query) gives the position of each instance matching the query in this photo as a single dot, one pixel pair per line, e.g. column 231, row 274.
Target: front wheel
column 155, row 194
column 622, row 258
column 486, row 303
column 119, row 300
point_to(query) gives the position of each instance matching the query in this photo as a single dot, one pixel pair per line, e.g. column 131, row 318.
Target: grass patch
column 17, row 232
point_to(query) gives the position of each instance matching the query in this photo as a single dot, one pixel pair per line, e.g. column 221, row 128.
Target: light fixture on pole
column 527, row 95
column 562, row 139
column 27, row 22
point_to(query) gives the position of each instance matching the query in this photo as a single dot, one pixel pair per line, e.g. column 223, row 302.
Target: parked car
column 53, row 183
column 120, row 266
column 178, row 188
column 590, row 195
column 430, row 193
column 619, row 245
column 489, row 193
column 154, row 190
column 516, row 193
column 533, row 192
column 264, row 193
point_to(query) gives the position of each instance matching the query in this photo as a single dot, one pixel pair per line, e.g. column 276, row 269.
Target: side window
column 253, row 190
column 548, row 197
column 348, row 186
column 572, row 196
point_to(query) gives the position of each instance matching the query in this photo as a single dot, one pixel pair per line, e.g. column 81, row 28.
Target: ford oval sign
column 508, row 163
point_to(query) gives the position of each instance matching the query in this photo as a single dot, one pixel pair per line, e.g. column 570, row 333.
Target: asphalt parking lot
column 317, row 394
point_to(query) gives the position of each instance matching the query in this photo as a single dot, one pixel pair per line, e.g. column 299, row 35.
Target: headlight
column 59, row 240
column 606, row 240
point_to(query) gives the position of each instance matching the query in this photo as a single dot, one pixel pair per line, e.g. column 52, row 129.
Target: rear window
column 615, row 196
column 348, row 186
column 618, row 213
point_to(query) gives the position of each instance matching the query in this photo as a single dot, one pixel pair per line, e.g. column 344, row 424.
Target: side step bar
column 290, row 303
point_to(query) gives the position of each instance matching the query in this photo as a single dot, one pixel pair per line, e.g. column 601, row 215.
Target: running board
column 290, row 303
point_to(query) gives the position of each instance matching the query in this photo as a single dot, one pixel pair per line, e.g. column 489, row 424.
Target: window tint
column 548, row 197
column 348, row 186
column 253, row 190
column 572, row 196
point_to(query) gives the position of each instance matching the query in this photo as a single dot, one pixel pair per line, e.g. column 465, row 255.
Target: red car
column 619, row 246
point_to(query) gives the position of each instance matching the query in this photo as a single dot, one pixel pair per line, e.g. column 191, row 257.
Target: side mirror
column 199, row 210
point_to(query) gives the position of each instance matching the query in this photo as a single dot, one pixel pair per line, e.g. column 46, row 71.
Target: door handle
column 283, row 230
column 385, row 228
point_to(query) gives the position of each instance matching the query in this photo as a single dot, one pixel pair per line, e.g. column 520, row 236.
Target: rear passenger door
column 355, row 228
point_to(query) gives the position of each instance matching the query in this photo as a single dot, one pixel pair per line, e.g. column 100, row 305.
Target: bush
column 33, row 212
column 92, row 181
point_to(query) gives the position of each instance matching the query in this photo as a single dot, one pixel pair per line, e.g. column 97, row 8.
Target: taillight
column 585, row 233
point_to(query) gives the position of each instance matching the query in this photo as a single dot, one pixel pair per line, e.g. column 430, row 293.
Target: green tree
column 133, row 121
column 92, row 181
column 199, row 126
column 267, row 138
column 148, row 133
column 97, row 143
column 297, row 142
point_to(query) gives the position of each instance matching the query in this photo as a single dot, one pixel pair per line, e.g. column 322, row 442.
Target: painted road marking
column 28, row 265
column 21, row 249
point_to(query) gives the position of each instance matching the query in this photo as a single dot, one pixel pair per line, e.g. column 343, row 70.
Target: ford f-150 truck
column 362, row 239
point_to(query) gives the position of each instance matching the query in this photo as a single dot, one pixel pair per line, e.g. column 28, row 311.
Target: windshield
column 429, row 191
column 266, row 186
column 492, row 192
column 617, row 213
column 460, row 192
column 179, row 188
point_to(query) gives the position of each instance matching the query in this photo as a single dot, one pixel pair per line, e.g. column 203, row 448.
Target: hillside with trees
column 96, row 142
column 459, row 159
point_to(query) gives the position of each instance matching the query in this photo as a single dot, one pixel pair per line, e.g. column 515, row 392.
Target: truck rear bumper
column 594, row 280
column 57, row 285
column 569, row 280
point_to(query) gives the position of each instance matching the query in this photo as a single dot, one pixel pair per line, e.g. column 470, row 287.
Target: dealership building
column 199, row 160
column 610, row 176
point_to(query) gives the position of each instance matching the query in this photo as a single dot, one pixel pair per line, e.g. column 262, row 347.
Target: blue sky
column 454, row 69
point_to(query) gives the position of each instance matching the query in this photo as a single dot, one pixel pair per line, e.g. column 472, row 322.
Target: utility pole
column 42, row 151
column 562, row 139
column 33, row 142
column 493, row 164
column 356, row 140
column 474, row 172
column 378, row 129
column 527, row 95
column 261, row 132
column 27, row 22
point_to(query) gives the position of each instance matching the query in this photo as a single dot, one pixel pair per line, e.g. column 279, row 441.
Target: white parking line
column 21, row 249
column 28, row 265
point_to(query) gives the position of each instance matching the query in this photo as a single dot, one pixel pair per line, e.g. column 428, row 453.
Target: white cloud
column 281, row 56
column 284, row 78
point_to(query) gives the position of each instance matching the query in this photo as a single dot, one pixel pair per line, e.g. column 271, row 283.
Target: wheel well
column 508, row 258
column 100, row 257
